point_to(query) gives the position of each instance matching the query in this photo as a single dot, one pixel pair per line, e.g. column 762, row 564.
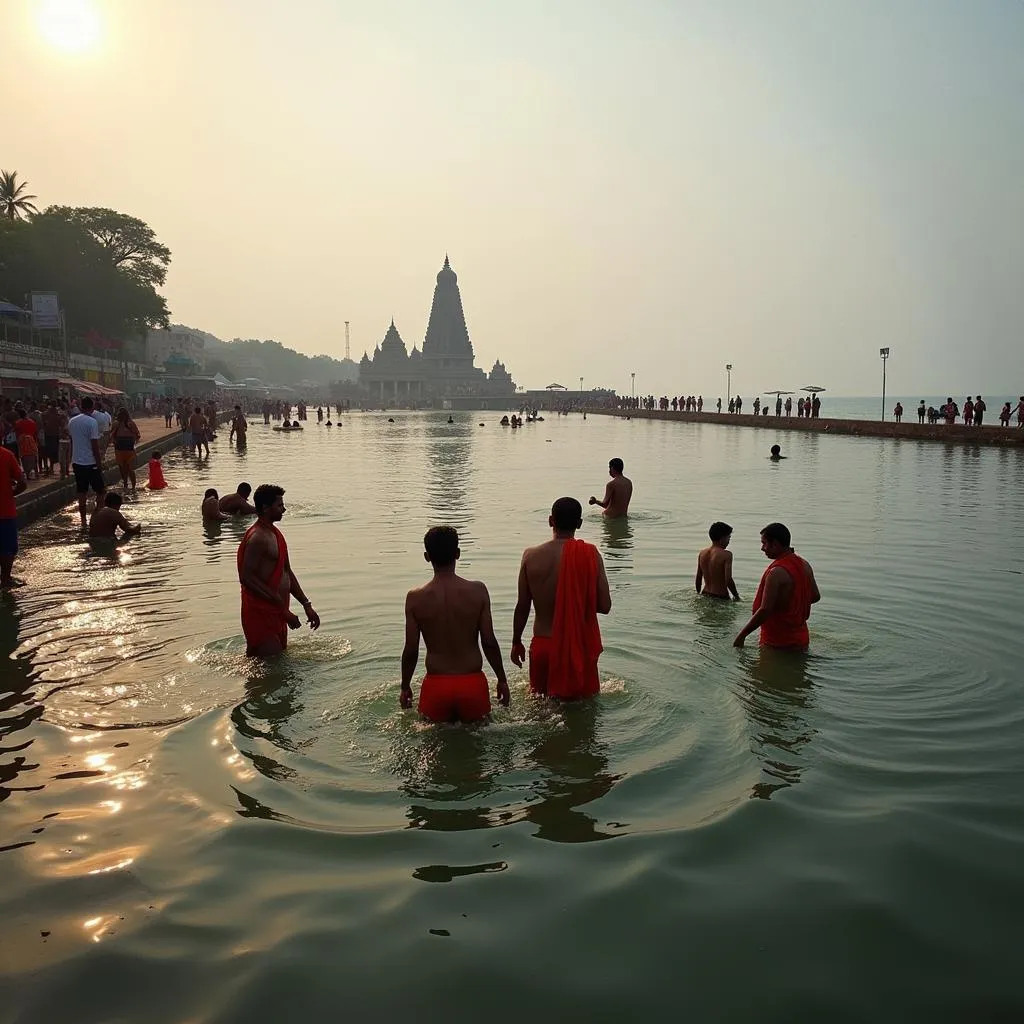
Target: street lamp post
column 884, row 353
column 632, row 386
column 728, row 384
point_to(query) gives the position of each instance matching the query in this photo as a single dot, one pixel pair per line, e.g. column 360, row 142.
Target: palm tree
column 15, row 203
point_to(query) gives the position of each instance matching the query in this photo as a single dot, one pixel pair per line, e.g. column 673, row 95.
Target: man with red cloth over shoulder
column 268, row 580
column 564, row 581
column 784, row 596
column 453, row 615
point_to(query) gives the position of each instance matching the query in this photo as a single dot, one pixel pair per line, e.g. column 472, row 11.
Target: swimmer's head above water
column 615, row 467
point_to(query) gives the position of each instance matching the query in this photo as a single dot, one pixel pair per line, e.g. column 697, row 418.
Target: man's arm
column 410, row 652
column 774, row 592
column 18, row 476
column 232, row 434
column 607, row 500
column 521, row 615
column 489, row 644
column 730, row 583
column 699, row 580
column 604, row 594
column 815, row 593
column 296, row 592
column 126, row 526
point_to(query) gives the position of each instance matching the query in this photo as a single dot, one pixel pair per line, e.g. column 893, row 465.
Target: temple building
column 444, row 370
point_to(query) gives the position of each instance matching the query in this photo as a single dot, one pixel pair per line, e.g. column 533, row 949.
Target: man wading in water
column 784, row 597
column 267, row 579
column 454, row 617
column 617, row 493
column 564, row 580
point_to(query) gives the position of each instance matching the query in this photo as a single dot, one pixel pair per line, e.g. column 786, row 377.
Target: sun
column 70, row 25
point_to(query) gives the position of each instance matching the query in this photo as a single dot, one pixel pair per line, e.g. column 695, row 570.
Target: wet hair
column 86, row 404
column 719, row 530
column 122, row 415
column 567, row 514
column 776, row 449
column 778, row 533
column 244, row 489
column 211, row 492
column 238, row 408
column 441, row 544
column 112, row 500
column 156, row 454
column 265, row 496
column 616, row 464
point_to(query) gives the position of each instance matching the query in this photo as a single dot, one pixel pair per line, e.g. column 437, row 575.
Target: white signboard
column 45, row 311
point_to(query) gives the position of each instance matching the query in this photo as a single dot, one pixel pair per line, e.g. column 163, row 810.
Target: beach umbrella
column 814, row 390
column 555, row 387
column 779, row 392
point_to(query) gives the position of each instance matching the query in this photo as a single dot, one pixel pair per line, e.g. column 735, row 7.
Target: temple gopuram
column 442, row 374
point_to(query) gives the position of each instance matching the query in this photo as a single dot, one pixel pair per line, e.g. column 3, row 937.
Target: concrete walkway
column 955, row 433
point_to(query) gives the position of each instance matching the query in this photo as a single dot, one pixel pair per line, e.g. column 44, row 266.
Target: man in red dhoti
column 454, row 617
column 267, row 579
column 565, row 583
column 784, row 596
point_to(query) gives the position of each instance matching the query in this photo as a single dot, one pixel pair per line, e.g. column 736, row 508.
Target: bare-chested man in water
column 714, row 565
column 617, row 494
column 267, row 579
column 239, row 426
column 565, row 630
column 108, row 519
column 453, row 615
column 237, row 504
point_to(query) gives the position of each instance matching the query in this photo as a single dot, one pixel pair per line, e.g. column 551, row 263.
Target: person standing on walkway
column 921, row 410
column 12, row 482
column 1020, row 411
column 789, row 406
column 979, row 411
column 778, row 405
column 86, row 460
column 898, row 412
column 969, row 412
column 784, row 597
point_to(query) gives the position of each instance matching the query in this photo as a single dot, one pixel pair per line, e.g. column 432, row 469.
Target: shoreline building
column 444, row 370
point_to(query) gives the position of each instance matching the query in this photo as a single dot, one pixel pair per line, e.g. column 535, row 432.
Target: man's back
column 83, row 430
column 620, row 491
column 541, row 565
column 448, row 610
column 716, row 567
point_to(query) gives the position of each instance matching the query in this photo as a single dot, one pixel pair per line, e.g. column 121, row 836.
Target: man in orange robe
column 564, row 581
column 268, row 580
column 784, row 596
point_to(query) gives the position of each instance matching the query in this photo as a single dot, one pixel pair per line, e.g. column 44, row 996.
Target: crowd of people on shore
column 973, row 412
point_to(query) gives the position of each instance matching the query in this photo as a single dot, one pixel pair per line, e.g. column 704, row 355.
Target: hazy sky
column 658, row 187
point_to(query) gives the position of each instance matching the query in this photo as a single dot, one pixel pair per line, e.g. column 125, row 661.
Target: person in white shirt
column 86, row 461
column 104, row 419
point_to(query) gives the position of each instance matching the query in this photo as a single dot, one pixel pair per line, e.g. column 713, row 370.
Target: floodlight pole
column 728, row 383
column 884, row 353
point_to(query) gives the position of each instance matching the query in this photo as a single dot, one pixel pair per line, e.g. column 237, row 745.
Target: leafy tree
column 54, row 253
column 130, row 242
column 15, row 202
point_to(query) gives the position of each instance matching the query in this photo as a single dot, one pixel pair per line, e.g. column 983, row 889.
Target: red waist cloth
column 564, row 665
column 788, row 627
column 264, row 620
column 463, row 698
column 156, row 476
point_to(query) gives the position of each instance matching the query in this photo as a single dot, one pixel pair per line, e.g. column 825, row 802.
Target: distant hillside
column 272, row 362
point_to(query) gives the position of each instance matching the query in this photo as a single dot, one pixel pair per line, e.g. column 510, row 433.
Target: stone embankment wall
column 951, row 434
